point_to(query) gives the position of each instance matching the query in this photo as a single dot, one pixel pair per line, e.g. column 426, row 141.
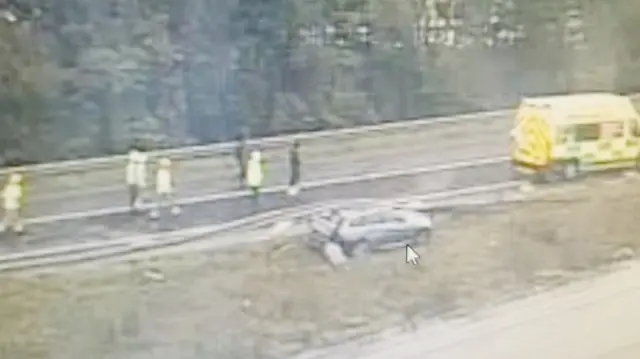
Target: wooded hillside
column 85, row 78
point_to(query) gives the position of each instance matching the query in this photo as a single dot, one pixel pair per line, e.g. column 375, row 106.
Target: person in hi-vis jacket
column 164, row 189
column 136, row 173
column 255, row 174
column 12, row 200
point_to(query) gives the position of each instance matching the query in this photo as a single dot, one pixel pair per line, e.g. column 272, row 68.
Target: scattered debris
column 246, row 303
column 552, row 275
column 278, row 249
column 527, row 188
column 8, row 16
column 623, row 254
column 334, row 254
column 154, row 275
column 280, row 227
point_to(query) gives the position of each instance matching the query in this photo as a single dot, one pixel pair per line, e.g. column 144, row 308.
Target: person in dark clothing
column 294, row 167
column 241, row 158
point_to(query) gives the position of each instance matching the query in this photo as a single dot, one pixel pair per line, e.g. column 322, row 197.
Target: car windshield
column 332, row 216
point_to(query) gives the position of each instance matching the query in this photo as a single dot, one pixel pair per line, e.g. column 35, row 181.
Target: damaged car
column 361, row 231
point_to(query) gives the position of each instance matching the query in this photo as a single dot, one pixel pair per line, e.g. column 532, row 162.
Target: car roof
column 349, row 213
column 572, row 99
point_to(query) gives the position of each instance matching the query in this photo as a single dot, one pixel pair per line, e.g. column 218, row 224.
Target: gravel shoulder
column 270, row 300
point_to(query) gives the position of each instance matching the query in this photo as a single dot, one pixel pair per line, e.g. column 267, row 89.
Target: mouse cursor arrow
column 412, row 256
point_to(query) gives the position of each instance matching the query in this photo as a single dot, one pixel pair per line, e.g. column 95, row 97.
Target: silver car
column 364, row 230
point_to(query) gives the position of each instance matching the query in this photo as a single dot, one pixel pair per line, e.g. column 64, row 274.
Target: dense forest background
column 83, row 78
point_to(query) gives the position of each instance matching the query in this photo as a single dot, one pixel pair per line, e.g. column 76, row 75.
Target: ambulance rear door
column 531, row 137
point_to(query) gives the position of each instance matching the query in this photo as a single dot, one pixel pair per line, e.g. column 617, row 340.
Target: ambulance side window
column 587, row 132
column 611, row 130
column 566, row 134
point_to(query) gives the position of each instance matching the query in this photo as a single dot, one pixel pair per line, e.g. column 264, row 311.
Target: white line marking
column 181, row 236
column 275, row 189
column 224, row 148
column 144, row 239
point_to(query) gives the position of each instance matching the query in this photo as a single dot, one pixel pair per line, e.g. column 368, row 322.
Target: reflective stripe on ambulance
column 537, row 143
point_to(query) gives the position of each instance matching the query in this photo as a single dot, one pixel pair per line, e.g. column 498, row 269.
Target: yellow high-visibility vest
column 164, row 181
column 12, row 197
column 136, row 171
column 254, row 173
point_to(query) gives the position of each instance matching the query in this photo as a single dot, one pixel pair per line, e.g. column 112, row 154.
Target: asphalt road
column 114, row 226
column 442, row 144
column 346, row 155
column 598, row 319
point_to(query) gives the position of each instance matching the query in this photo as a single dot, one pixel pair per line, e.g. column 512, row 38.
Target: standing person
column 241, row 158
column 136, row 173
column 294, row 168
column 12, row 198
column 255, row 174
column 164, row 189
column 132, row 183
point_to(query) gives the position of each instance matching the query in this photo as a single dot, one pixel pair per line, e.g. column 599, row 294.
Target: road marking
column 151, row 240
column 527, row 188
column 275, row 189
column 224, row 149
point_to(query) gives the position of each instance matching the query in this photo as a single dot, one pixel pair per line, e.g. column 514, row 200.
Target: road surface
column 345, row 155
column 598, row 319
column 115, row 226
column 441, row 144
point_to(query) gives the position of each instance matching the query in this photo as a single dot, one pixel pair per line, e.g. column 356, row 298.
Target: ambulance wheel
column 539, row 177
column 516, row 175
column 570, row 170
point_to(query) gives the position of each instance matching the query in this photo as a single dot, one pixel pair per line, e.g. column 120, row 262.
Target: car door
column 364, row 227
column 613, row 141
column 388, row 230
column 399, row 231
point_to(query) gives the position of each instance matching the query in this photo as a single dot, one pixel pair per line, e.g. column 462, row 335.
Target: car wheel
column 516, row 175
column 539, row 177
column 360, row 249
column 425, row 236
column 415, row 237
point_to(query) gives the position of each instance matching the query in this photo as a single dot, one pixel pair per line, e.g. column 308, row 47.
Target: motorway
column 351, row 153
column 221, row 210
column 97, row 213
column 444, row 143
column 595, row 319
